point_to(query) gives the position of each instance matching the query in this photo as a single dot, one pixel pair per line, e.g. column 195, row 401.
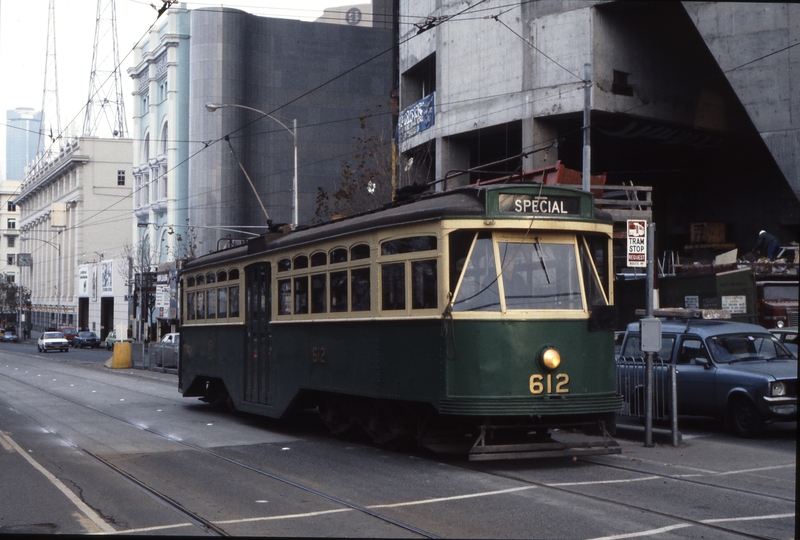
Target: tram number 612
column 318, row 355
column 539, row 383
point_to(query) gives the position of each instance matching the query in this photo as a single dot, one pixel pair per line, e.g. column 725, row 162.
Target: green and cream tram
column 482, row 310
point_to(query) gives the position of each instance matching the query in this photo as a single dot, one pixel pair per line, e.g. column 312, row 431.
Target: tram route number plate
column 549, row 384
column 512, row 203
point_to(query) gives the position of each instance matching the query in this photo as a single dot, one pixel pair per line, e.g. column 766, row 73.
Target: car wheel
column 745, row 420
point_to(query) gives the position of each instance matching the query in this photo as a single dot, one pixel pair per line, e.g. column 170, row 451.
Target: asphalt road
column 86, row 449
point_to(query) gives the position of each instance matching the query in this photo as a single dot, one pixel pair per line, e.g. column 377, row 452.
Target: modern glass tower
column 22, row 138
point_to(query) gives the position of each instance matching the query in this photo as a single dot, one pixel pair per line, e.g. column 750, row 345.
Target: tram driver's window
column 393, row 286
column 423, row 285
column 479, row 290
column 359, row 287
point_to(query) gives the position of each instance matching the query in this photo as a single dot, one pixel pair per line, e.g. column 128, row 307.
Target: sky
column 23, row 47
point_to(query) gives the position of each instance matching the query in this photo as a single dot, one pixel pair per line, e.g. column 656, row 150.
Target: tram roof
column 460, row 202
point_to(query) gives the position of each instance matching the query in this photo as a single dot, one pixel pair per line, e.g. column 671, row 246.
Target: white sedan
column 52, row 341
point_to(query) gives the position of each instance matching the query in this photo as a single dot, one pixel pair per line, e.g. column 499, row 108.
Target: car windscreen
column 730, row 348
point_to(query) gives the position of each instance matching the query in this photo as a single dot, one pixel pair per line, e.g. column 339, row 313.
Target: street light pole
column 293, row 132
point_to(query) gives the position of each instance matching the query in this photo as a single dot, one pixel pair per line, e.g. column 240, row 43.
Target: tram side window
column 358, row 252
column 339, row 291
column 319, row 259
column 393, row 286
column 319, row 293
column 222, row 275
column 423, row 285
column 301, row 295
column 211, row 304
column 201, row 310
column 300, row 262
column 233, row 299
column 594, row 254
column 211, row 277
column 233, row 274
column 479, row 290
column 284, row 297
column 338, row 255
column 190, row 313
column 222, row 303
column 359, row 280
column 201, row 280
column 411, row 244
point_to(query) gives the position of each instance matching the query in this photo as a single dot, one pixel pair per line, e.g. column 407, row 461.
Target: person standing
column 767, row 245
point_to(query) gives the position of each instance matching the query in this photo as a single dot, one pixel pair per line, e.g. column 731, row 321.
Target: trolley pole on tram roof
column 293, row 132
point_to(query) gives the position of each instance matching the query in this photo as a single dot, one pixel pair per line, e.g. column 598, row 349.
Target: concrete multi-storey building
column 692, row 98
column 74, row 224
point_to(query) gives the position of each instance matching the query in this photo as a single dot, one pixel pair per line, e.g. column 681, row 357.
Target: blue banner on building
column 416, row 119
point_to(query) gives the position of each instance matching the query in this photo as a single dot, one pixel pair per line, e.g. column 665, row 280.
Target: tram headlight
column 550, row 358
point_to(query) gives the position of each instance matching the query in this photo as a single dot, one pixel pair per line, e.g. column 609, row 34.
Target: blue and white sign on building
column 416, row 119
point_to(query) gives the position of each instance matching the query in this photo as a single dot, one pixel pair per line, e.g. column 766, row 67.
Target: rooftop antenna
column 50, row 126
column 105, row 108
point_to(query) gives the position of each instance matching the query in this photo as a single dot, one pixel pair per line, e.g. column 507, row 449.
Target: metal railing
column 162, row 356
column 631, row 376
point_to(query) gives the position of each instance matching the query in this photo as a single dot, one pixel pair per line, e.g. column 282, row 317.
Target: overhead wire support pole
column 586, row 181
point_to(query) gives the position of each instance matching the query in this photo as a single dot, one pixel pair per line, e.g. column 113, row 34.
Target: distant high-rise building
column 22, row 138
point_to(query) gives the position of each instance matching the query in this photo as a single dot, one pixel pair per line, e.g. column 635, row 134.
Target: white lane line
column 624, row 481
column 283, row 516
column 651, row 532
column 83, row 507
column 744, row 471
column 453, row 498
column 750, row 518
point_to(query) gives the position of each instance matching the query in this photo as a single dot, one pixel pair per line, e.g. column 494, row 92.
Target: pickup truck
column 736, row 372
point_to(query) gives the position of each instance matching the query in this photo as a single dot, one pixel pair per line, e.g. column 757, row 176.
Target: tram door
column 257, row 348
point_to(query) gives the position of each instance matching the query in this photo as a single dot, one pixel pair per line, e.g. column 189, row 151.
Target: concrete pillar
column 451, row 155
column 538, row 135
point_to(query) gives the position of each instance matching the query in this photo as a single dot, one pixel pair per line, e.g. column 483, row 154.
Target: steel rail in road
column 196, row 519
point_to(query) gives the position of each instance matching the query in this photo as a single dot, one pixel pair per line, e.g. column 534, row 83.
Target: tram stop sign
column 637, row 243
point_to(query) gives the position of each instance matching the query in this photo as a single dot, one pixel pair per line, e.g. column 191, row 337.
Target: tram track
column 644, row 509
column 194, row 518
column 213, row 529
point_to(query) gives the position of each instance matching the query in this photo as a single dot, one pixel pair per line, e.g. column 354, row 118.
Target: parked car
column 111, row 338
column 52, row 341
column 787, row 336
column 174, row 338
column 86, row 338
column 9, row 336
column 69, row 332
column 738, row 372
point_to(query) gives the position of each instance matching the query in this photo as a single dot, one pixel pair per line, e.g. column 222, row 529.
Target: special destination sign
column 539, row 204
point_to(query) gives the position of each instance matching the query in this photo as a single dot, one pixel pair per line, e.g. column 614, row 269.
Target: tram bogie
column 472, row 311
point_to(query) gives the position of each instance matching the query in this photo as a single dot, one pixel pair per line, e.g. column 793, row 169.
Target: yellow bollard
column 122, row 356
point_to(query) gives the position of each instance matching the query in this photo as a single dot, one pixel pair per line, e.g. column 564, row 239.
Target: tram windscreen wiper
column 541, row 259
